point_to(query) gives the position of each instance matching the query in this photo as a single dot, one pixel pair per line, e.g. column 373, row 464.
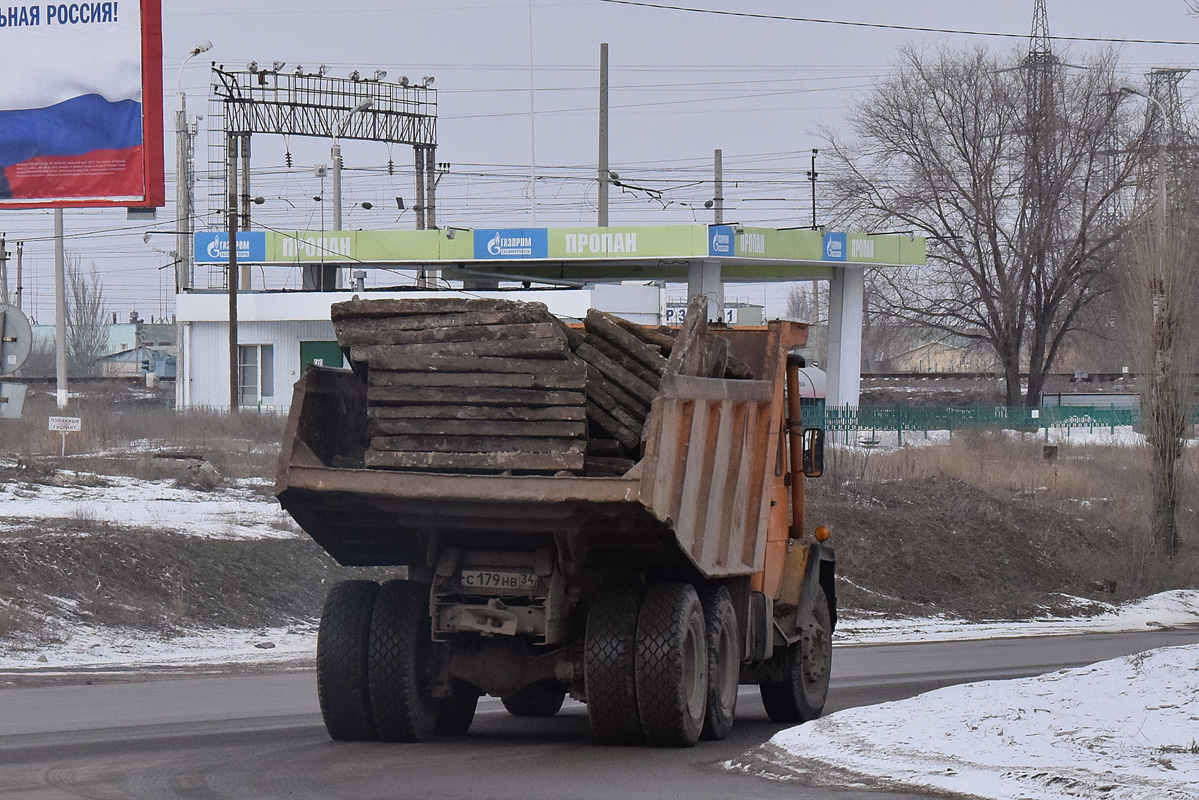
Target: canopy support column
column 847, row 291
column 704, row 278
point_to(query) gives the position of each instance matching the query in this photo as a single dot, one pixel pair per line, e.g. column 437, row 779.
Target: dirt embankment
column 934, row 545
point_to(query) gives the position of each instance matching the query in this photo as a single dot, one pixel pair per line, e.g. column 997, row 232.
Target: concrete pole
column 532, row 127
column 3, row 271
column 231, row 279
column 602, row 201
column 418, row 154
column 335, row 154
column 60, row 308
column 183, row 196
column 430, row 188
column 183, row 244
column 246, row 274
column 718, row 177
column 20, row 287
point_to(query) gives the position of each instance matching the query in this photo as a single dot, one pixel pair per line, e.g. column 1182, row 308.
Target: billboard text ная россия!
column 81, row 104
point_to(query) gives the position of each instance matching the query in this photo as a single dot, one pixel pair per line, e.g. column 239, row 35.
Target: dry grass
column 130, row 433
column 986, row 522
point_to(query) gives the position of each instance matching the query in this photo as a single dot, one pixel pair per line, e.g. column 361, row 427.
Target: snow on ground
column 237, row 511
column 881, row 439
column 1165, row 610
column 87, row 647
column 1126, row 729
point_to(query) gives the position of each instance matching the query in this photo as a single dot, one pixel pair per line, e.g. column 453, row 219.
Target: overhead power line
column 887, row 26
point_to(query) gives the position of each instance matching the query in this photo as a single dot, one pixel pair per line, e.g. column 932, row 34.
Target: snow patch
column 236, row 512
column 1166, row 610
column 1124, row 729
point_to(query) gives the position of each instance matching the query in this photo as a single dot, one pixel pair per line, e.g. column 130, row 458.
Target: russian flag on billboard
column 71, row 104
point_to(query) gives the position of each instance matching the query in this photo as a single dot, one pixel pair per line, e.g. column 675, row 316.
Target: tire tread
column 342, row 683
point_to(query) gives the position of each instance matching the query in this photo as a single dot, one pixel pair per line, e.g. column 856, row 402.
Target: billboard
column 81, row 104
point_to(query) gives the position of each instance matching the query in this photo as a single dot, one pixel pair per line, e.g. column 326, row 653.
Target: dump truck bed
column 708, row 489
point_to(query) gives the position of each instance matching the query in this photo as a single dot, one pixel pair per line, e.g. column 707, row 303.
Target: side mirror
column 813, row 452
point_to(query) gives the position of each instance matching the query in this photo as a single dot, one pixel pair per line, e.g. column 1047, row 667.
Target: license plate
column 497, row 581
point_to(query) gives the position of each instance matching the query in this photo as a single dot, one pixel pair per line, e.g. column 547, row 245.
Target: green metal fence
column 908, row 419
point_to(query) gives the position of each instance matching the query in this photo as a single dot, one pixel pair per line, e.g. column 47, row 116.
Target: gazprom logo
column 834, row 246
column 511, row 243
column 720, row 240
column 213, row 247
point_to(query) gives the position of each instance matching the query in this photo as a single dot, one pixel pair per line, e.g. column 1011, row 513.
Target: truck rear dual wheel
column 400, row 659
column 724, row 662
column 671, row 665
column 342, row 684
column 800, row 691
column 610, row 668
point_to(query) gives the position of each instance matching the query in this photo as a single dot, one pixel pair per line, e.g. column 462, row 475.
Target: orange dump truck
column 650, row 596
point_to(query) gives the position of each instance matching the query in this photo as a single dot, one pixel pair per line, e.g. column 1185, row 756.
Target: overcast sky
column 682, row 85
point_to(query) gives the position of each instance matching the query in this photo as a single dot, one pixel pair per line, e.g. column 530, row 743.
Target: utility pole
column 246, row 275
column 431, row 188
column 603, row 137
column 60, row 308
column 812, row 176
column 3, row 271
column 532, row 128
column 718, row 179
column 183, row 244
column 20, row 287
column 183, row 178
column 231, row 214
column 418, row 154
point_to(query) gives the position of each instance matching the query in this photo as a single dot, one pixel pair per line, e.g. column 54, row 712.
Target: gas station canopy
column 664, row 252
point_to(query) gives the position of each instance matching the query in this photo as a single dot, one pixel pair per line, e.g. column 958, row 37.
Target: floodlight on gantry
column 310, row 104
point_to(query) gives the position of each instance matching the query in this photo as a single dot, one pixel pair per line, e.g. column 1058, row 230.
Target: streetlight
column 183, row 195
column 338, row 130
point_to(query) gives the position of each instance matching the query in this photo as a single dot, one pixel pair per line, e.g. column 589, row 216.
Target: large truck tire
column 541, row 699
column 799, row 694
column 342, row 684
column 400, row 647
column 609, row 666
column 457, row 711
column 724, row 662
column 672, row 665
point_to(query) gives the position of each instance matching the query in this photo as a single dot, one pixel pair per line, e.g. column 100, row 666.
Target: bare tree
column 802, row 303
column 86, row 317
column 807, row 304
column 1014, row 200
column 1163, row 285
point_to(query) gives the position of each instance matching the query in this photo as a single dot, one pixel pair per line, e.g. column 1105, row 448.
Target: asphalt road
column 261, row 736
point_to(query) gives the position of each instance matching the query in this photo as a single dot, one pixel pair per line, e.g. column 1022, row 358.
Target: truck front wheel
column 341, row 661
column 799, row 691
column 672, row 665
column 400, row 656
